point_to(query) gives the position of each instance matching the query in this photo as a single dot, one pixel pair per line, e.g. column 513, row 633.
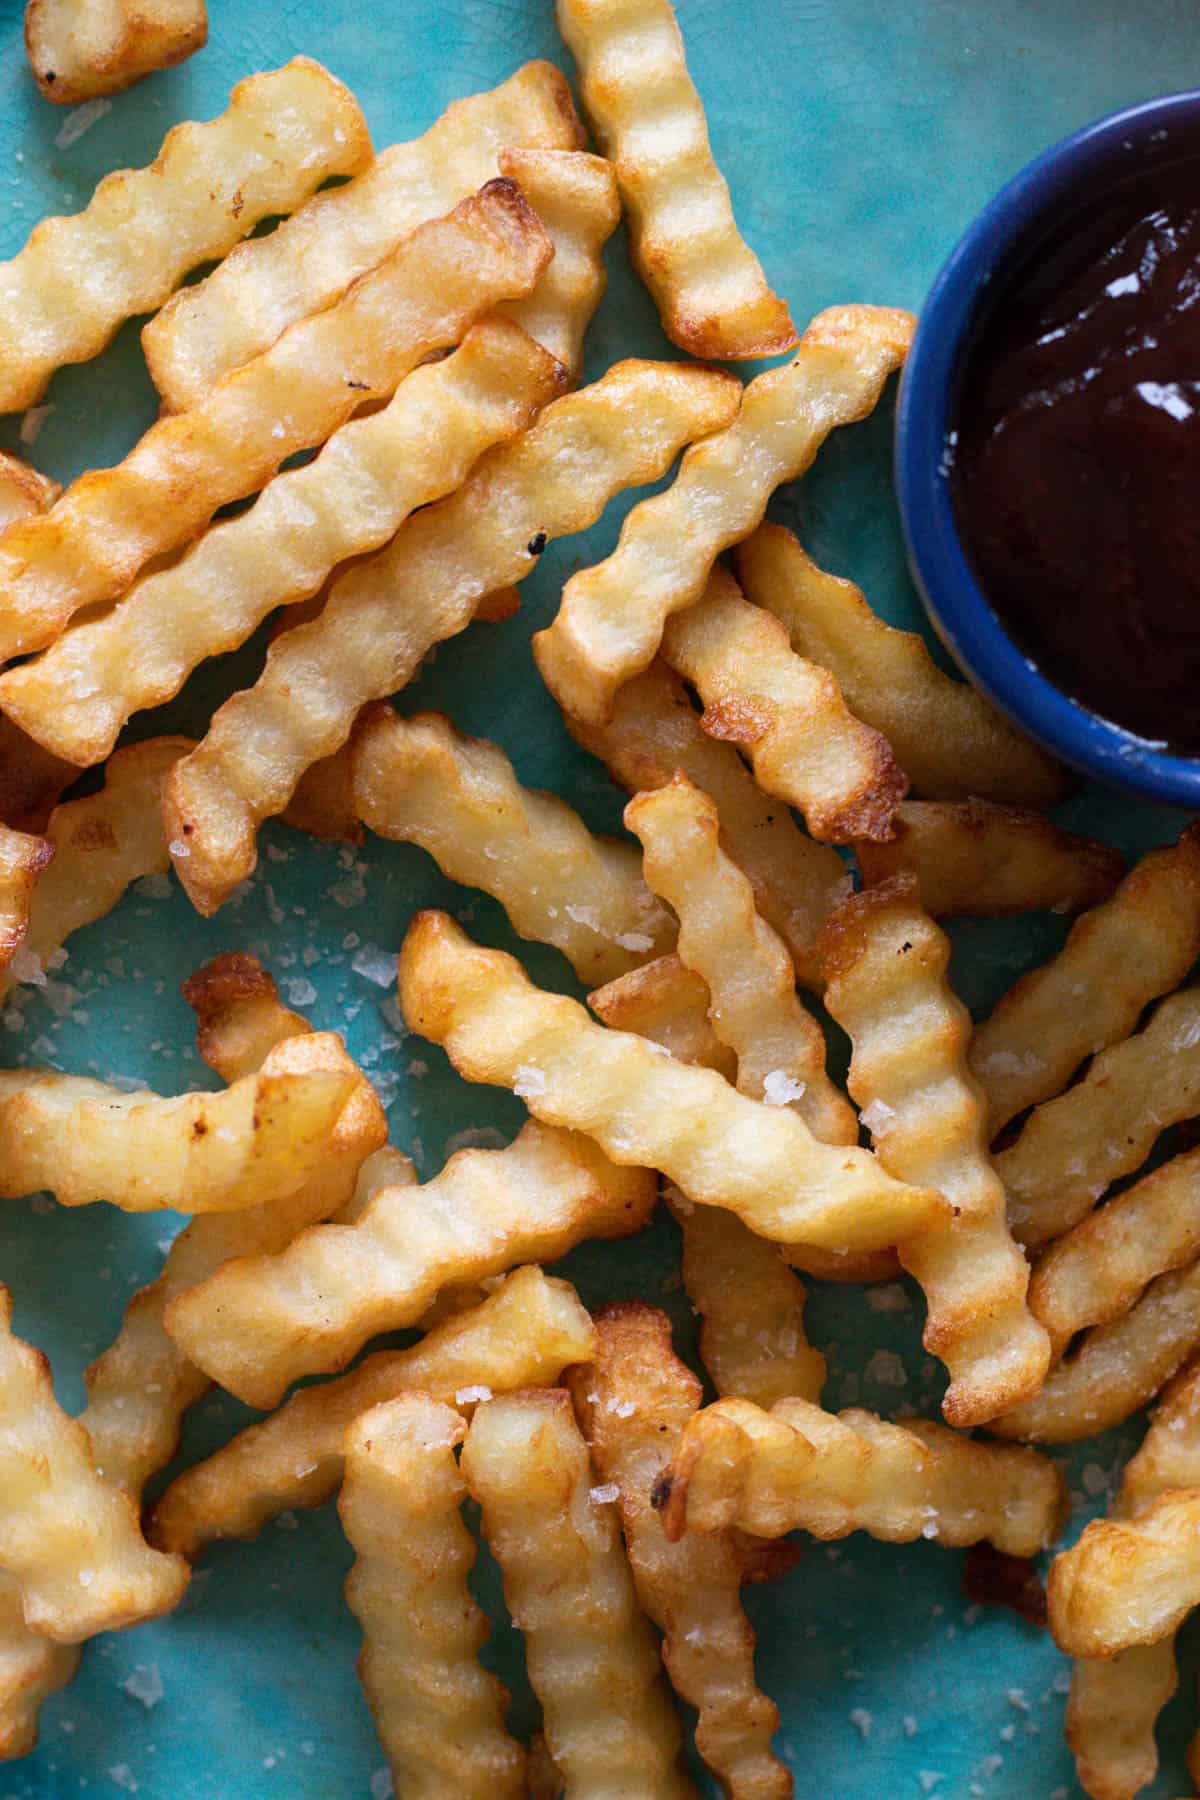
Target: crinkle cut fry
column 266, row 284
column 718, row 1146
column 575, row 197
column 261, row 1322
column 1074, row 1147
column 972, row 857
column 780, row 1047
column 439, row 1713
column 111, row 522
column 32, row 1668
column 382, row 617
column 22, row 860
column 632, row 1401
column 282, row 135
column 101, row 843
column 707, row 283
column 611, row 619
column 524, row 1334
column 655, row 731
column 79, row 51
column 348, row 501
column 592, row 1662
column 1128, row 1581
column 949, row 741
column 800, row 1467
column 84, row 1141
column 1118, row 958
column 1117, row 1367
column 59, row 1521
column 887, row 985
column 418, row 780
column 666, row 1002
column 802, row 741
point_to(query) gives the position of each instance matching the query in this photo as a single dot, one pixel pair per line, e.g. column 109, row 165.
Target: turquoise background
column 858, row 142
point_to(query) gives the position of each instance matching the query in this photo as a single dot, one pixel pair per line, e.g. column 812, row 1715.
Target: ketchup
column 1077, row 462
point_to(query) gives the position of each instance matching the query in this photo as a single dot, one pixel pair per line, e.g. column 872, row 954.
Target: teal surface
column 858, row 141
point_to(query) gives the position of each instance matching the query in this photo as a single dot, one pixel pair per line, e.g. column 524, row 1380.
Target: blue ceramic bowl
column 1022, row 213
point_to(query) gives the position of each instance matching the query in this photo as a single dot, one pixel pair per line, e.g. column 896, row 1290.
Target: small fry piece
column 787, row 714
column 745, row 965
column 417, row 780
column 632, row 1402
column 32, row 781
column 109, row 523
column 1116, row 1369
column 1118, row 958
column 707, row 283
column 1096, row 1272
column 64, row 295
column 260, row 1323
column 970, row 857
column 101, row 844
column 71, row 1541
column 382, row 617
column 23, row 490
column 22, row 860
column 351, row 498
column 439, row 1714
column 1073, row 1148
column 523, row 1335
column 81, row 48
column 239, row 1015
column 575, row 197
column 664, row 1001
column 1128, row 1581
column 950, row 743
column 268, row 283
column 31, row 1669
column 752, row 1340
column 720, row 1147
column 800, row 1467
column 84, row 1141
column 609, row 1724
column 611, row 619
column 654, row 732
column 887, row 967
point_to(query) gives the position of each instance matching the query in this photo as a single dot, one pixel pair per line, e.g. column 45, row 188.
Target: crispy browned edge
column 34, row 858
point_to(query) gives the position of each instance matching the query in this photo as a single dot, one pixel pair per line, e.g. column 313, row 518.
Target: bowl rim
column 953, row 598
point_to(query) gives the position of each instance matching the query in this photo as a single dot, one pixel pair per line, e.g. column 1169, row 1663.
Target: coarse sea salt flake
column 467, row 1396
column 381, row 1785
column 530, row 1082
column 877, row 1116
column 929, row 1779
column 605, row 1495
column 862, row 1722
column 81, row 119
column 375, row 964
column 780, row 1088
column 145, row 1684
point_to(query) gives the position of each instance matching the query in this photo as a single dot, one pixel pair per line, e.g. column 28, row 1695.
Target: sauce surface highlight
column 1077, row 466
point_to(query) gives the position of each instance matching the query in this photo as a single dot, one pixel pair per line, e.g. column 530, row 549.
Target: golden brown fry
column 752, row 1340
column 31, row 1669
column 523, row 1335
column 707, row 283
column 887, row 969
column 101, row 844
column 23, row 490
column 66, row 292
column 721, row 1148
column 268, row 283
column 351, row 498
column 84, row 1141
column 745, row 965
column 1128, row 1581
column 32, row 781
column 382, row 617
column 1073, row 1148
column 261, row 1322
column 575, row 197
column 609, row 1724
column 664, row 1001
column 797, row 1466
column 950, row 743
column 970, row 857
column 1117, row 1368
column 439, row 1714
column 655, row 731
column 22, row 860
column 71, row 1541
column 239, row 1015
column 612, row 616
column 111, row 522
column 81, row 48
column 1118, row 958
column 632, row 1401
column 804, row 745
column 419, row 781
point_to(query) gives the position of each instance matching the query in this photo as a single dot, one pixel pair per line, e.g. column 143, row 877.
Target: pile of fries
column 419, row 329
